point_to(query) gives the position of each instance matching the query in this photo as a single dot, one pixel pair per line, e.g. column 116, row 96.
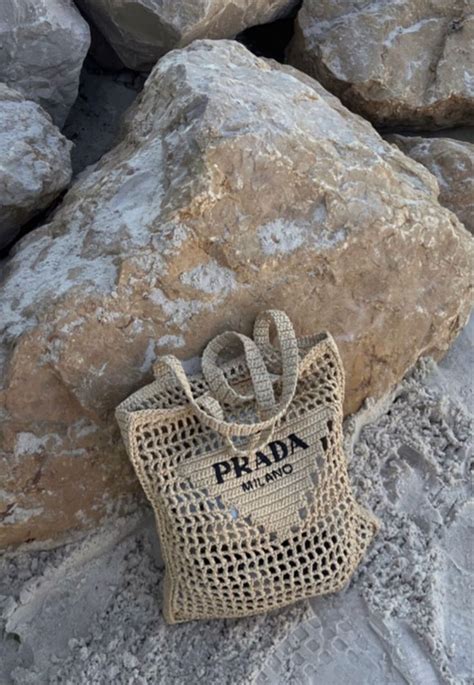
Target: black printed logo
column 275, row 452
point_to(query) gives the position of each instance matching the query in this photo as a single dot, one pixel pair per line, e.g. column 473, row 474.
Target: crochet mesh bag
column 251, row 495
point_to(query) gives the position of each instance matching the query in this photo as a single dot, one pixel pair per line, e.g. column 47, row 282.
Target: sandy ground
column 89, row 612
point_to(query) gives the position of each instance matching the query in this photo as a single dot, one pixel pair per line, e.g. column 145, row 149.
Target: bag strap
column 213, row 418
column 254, row 351
column 218, row 384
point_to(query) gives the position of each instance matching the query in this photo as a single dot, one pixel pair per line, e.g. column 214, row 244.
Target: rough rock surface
column 397, row 63
column 141, row 31
column 35, row 161
column 452, row 162
column 238, row 185
column 43, row 45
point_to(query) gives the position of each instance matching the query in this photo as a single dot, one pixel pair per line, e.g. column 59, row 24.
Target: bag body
column 251, row 495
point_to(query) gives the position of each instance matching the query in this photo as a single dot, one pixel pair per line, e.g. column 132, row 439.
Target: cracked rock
column 237, row 185
column 43, row 45
column 35, row 162
column 407, row 63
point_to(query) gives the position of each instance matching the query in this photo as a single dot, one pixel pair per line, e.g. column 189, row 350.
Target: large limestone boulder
column 397, row 63
column 35, row 162
column 452, row 162
column 238, row 185
column 43, row 45
column 141, row 31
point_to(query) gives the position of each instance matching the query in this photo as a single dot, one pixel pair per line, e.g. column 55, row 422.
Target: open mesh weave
column 237, row 543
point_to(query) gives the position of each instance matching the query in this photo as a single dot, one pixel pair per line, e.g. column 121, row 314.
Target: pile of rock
column 142, row 31
column 236, row 183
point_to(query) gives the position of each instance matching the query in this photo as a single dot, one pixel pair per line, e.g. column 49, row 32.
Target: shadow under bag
column 245, row 470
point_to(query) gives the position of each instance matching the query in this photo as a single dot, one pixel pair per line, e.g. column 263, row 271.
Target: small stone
column 129, row 660
column 112, row 646
column 113, row 672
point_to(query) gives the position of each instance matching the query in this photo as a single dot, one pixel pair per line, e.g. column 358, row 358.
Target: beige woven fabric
column 252, row 500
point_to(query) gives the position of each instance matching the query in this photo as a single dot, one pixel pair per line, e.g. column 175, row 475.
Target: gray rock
column 237, row 185
column 452, row 162
column 407, row 63
column 35, row 163
column 43, row 45
column 141, row 31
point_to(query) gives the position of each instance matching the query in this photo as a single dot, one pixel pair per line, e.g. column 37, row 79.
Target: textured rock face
column 35, row 162
column 43, row 45
column 238, row 185
column 452, row 162
column 397, row 63
column 141, row 31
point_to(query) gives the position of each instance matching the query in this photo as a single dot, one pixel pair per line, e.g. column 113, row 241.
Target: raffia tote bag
column 251, row 495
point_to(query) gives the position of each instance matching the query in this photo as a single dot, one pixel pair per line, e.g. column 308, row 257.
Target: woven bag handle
column 209, row 411
column 263, row 394
column 219, row 385
column 206, row 408
column 253, row 351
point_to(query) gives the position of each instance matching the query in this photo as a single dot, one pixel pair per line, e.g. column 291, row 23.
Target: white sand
column 90, row 612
